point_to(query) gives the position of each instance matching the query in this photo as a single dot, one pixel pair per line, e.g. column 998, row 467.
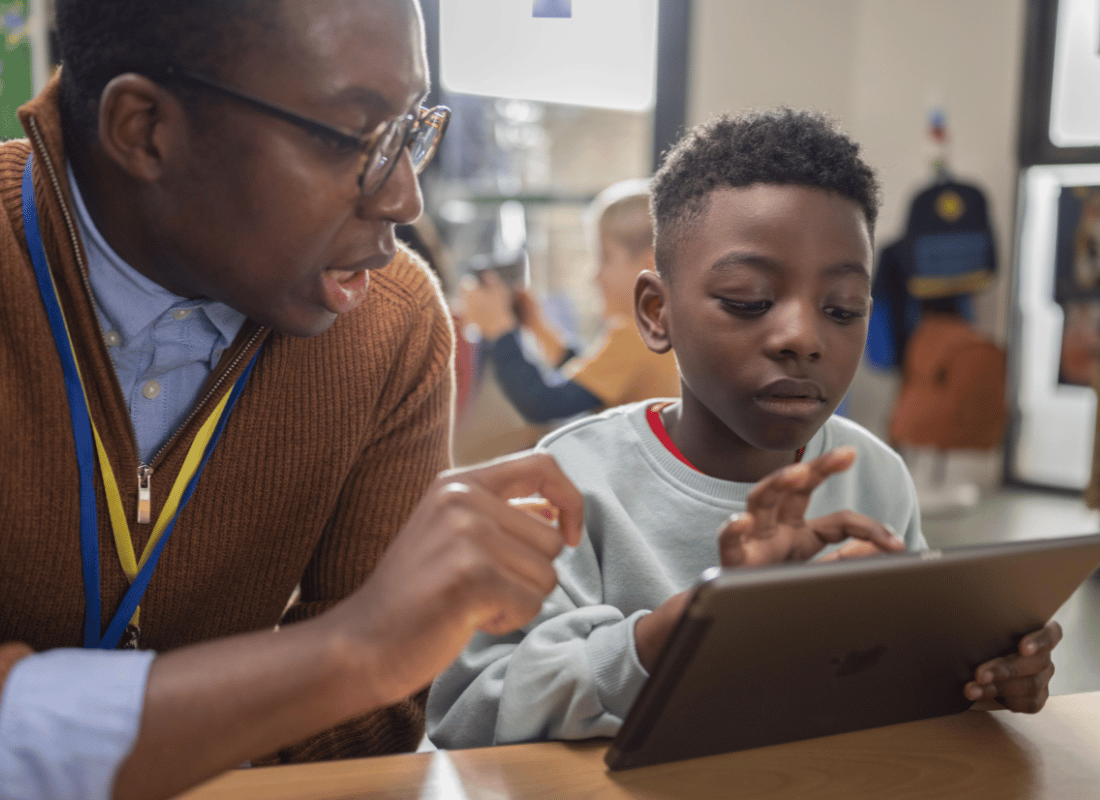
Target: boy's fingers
column 841, row 525
column 1046, row 638
column 1027, row 693
column 820, row 468
column 856, row 548
column 732, row 538
column 768, row 496
column 1007, row 668
column 785, row 494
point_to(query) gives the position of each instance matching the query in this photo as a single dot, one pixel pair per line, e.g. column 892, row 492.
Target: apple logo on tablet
column 859, row 660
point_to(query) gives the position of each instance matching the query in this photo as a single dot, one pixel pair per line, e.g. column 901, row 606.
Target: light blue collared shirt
column 68, row 718
column 163, row 346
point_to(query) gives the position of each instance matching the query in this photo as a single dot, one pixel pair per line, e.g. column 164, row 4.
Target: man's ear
column 651, row 311
column 138, row 121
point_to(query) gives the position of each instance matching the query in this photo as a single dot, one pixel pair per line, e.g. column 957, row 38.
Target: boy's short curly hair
column 780, row 146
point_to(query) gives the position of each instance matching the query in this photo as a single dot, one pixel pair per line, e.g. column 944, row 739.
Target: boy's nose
column 795, row 333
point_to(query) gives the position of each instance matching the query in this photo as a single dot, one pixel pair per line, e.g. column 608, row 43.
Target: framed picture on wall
column 1059, row 115
column 1056, row 341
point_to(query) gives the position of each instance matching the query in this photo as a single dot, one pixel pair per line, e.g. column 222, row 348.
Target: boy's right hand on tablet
column 651, row 630
column 774, row 528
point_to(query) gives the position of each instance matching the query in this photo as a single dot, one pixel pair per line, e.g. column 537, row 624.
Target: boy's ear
column 651, row 311
column 138, row 119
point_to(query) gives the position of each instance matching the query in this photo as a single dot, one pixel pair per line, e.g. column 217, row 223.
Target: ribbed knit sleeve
column 333, row 440
column 12, row 158
column 410, row 447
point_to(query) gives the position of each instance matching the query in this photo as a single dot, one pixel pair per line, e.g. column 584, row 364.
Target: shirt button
column 150, row 390
column 112, row 338
column 181, row 313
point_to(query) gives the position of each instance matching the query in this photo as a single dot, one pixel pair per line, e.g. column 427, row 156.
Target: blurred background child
column 619, row 368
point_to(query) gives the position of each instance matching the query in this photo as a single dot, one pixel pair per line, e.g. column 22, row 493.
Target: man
column 204, row 310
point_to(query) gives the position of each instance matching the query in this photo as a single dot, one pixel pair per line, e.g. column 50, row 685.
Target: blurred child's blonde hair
column 621, row 213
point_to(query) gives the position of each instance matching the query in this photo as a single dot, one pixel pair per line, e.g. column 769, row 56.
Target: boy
column 620, row 369
column 763, row 247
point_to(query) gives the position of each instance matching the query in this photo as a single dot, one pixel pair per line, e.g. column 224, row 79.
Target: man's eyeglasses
column 420, row 131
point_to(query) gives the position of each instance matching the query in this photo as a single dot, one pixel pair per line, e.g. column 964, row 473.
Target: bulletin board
column 1059, row 112
column 1057, row 325
column 1055, row 336
column 15, row 65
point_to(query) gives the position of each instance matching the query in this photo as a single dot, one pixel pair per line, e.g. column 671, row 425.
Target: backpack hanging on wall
column 947, row 251
column 953, row 394
column 948, row 245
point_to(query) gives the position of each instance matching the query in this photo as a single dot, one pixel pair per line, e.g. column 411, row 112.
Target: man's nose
column 398, row 200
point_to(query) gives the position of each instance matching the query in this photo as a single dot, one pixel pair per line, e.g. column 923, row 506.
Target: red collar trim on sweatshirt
column 657, row 425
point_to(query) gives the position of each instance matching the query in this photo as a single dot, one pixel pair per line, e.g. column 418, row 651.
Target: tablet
column 776, row 654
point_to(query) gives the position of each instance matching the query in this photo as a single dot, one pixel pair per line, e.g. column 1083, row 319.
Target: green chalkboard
column 15, row 66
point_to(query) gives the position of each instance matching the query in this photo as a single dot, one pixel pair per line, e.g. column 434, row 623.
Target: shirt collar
column 129, row 301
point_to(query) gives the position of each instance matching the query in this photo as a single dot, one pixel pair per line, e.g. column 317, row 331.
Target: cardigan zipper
column 144, row 471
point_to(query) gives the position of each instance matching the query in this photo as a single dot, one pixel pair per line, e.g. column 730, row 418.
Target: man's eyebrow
column 766, row 264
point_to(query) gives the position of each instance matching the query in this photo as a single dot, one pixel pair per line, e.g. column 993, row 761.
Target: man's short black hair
column 100, row 39
column 780, row 146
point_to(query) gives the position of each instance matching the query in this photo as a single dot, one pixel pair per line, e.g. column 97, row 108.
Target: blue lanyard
column 86, row 453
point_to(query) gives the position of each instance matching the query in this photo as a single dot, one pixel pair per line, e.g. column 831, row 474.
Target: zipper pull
column 145, row 499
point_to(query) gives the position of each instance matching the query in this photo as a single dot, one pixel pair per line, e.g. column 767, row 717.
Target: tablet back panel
column 791, row 652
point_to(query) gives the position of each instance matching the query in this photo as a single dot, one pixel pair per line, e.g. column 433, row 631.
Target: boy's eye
column 746, row 307
column 844, row 314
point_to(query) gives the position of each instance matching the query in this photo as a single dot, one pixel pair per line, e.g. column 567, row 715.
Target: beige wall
column 878, row 66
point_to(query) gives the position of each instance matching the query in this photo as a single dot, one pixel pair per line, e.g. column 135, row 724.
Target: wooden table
column 972, row 756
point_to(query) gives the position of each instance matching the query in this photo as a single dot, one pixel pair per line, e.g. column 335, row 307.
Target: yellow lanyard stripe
column 123, row 543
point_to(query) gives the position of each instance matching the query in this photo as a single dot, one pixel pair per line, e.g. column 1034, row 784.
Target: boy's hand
column 488, row 304
column 651, row 630
column 527, row 309
column 1018, row 682
column 774, row 527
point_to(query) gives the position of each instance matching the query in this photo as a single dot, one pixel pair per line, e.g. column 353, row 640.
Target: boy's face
column 767, row 311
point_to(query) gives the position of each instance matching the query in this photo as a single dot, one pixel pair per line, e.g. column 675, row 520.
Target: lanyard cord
column 87, row 439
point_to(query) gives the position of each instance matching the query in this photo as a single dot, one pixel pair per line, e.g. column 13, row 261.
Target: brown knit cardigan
column 330, row 445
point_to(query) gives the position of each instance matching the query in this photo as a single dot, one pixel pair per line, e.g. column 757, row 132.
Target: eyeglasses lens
column 421, row 132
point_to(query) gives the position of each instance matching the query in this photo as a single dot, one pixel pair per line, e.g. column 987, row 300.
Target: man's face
column 267, row 218
column 767, row 310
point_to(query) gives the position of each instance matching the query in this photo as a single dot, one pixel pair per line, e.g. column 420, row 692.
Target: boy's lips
column 789, row 397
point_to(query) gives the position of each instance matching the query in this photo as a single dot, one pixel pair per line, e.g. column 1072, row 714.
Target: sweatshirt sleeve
column 572, row 673
column 537, row 400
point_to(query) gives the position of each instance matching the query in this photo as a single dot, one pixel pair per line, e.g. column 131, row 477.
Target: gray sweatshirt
column 651, row 526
